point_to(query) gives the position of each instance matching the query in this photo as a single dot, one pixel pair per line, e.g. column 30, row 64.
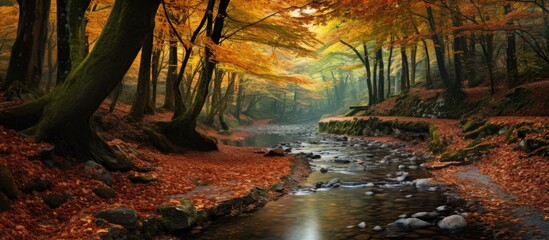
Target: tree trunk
column 458, row 48
column 389, row 62
column 63, row 116
column 179, row 98
column 27, row 53
column 77, row 27
column 142, row 94
column 428, row 78
column 404, row 77
column 156, row 63
column 366, row 61
column 439, row 49
column 470, row 60
column 172, row 74
column 379, row 56
column 414, row 66
column 63, row 41
column 239, row 98
column 512, row 66
column 374, row 87
column 371, row 96
column 181, row 131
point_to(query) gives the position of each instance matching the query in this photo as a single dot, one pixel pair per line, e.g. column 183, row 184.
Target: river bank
column 491, row 163
column 168, row 194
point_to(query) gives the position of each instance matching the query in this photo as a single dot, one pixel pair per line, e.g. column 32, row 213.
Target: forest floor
column 205, row 178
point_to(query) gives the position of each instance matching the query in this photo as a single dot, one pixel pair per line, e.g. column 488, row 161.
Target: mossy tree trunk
column 77, row 28
column 63, row 116
column 181, row 130
column 172, row 74
column 142, row 96
column 381, row 85
column 63, row 41
column 30, row 44
column 439, row 49
column 512, row 66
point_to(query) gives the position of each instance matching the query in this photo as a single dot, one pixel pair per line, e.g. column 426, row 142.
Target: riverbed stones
column 333, row 182
column 409, row 224
column 453, row 223
column 442, row 208
column 356, row 167
column 377, row 228
column 425, row 183
column 425, row 215
column 98, row 172
column 361, row 225
column 123, row 216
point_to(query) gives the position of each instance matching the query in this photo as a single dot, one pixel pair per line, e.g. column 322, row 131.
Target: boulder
column 453, row 223
column 104, row 192
column 5, row 204
column 342, row 161
column 54, row 200
column 333, row 182
column 97, row 171
column 323, row 170
column 355, row 167
column 7, row 183
column 149, row 227
column 277, row 152
column 277, row 187
column 425, row 183
column 409, row 224
column 177, row 218
column 37, row 184
column 141, row 179
column 123, row 216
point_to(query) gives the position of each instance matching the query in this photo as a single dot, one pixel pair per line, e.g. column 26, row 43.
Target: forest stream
column 368, row 185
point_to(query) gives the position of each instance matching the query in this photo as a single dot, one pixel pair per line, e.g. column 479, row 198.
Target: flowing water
column 377, row 196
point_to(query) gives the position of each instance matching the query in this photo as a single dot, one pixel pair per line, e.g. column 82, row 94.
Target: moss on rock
column 54, row 200
column 178, row 218
column 104, row 192
column 141, row 179
column 7, row 183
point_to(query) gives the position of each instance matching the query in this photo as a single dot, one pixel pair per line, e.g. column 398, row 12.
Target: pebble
column 369, row 193
column 432, row 189
column 377, row 228
column 361, row 225
column 409, row 196
column 442, row 208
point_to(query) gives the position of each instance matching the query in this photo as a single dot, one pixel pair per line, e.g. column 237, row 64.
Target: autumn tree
column 62, row 117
